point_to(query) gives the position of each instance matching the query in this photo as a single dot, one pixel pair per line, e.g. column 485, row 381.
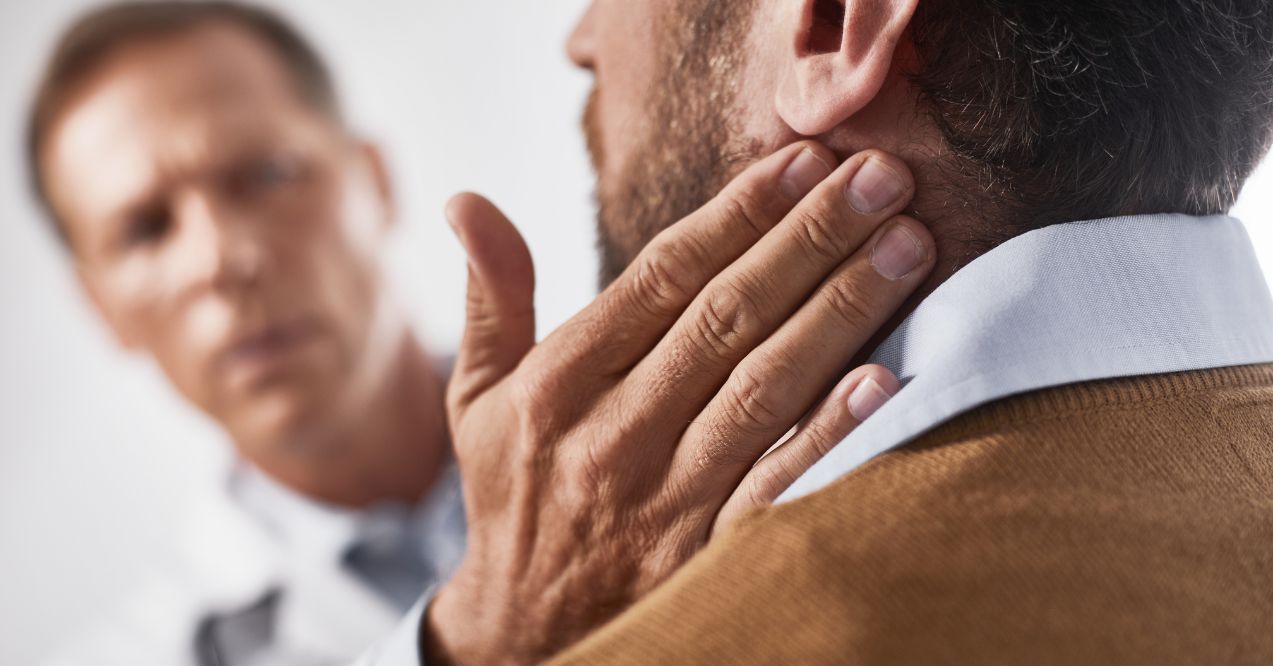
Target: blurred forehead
column 165, row 104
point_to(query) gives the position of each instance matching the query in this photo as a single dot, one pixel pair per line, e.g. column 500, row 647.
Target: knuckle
column 591, row 477
column 848, row 301
column 751, row 404
column 819, row 436
column 723, row 321
column 660, row 278
column 813, row 440
column 768, row 482
column 822, row 236
column 749, row 410
column 742, row 209
column 535, row 397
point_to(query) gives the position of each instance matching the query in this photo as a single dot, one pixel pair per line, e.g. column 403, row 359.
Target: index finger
column 634, row 312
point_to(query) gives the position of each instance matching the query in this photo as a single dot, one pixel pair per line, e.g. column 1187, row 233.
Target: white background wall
column 95, row 454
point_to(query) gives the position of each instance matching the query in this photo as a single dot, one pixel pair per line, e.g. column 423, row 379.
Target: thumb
column 500, row 321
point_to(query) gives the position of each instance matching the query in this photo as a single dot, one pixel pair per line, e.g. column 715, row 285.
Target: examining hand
column 597, row 462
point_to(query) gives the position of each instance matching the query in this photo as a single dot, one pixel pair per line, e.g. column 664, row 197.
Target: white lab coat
column 229, row 559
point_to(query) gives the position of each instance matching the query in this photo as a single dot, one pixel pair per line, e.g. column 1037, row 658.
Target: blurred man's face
column 228, row 230
column 666, row 125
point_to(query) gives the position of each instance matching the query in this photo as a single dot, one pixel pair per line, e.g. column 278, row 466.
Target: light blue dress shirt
column 1068, row 303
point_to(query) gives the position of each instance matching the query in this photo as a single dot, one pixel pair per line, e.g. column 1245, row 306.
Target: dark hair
column 1066, row 110
column 87, row 41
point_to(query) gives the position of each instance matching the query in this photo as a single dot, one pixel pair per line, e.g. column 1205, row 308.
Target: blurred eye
column 265, row 175
column 147, row 227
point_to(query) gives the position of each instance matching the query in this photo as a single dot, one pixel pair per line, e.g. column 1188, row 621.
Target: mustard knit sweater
column 1125, row 521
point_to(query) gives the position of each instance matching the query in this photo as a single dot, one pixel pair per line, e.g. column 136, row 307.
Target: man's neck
column 960, row 238
column 389, row 447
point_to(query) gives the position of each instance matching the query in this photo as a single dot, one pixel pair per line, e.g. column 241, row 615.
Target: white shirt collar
column 299, row 524
column 313, row 528
column 285, row 541
column 1067, row 303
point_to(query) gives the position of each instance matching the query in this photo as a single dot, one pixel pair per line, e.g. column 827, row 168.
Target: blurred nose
column 224, row 251
column 581, row 47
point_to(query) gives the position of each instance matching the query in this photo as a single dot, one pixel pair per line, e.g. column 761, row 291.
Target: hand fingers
column 499, row 327
column 743, row 305
column 850, row 403
column 629, row 317
column 775, row 385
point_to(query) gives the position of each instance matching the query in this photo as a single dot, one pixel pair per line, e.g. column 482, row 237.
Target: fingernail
column 867, row 398
column 803, row 174
column 873, row 188
column 897, row 253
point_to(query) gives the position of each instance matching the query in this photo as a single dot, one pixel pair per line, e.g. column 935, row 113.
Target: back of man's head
column 1014, row 114
column 1086, row 108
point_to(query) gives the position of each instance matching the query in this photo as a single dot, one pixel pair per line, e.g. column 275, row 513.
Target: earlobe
column 379, row 172
column 839, row 55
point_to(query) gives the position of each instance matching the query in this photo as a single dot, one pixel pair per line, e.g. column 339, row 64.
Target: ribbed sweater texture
column 1125, row 521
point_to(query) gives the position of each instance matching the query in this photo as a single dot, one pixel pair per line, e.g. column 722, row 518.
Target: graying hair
column 1080, row 109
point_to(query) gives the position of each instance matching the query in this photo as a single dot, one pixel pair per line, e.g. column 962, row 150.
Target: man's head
column 1013, row 115
column 220, row 217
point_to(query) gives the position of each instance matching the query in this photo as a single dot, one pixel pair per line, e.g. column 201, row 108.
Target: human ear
column 374, row 160
column 837, row 58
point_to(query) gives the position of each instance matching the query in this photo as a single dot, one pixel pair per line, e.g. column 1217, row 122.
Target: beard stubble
column 691, row 145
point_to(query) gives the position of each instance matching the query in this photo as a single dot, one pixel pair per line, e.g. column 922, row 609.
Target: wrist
column 433, row 647
column 460, row 628
column 450, row 632
column 470, row 624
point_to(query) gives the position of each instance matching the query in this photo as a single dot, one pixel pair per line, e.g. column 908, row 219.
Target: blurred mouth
column 263, row 353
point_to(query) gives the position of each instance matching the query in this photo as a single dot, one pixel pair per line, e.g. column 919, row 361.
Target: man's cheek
column 620, row 127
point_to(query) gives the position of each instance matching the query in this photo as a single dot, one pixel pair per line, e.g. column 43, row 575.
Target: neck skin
column 953, row 207
column 960, row 235
column 388, row 448
column 960, row 238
